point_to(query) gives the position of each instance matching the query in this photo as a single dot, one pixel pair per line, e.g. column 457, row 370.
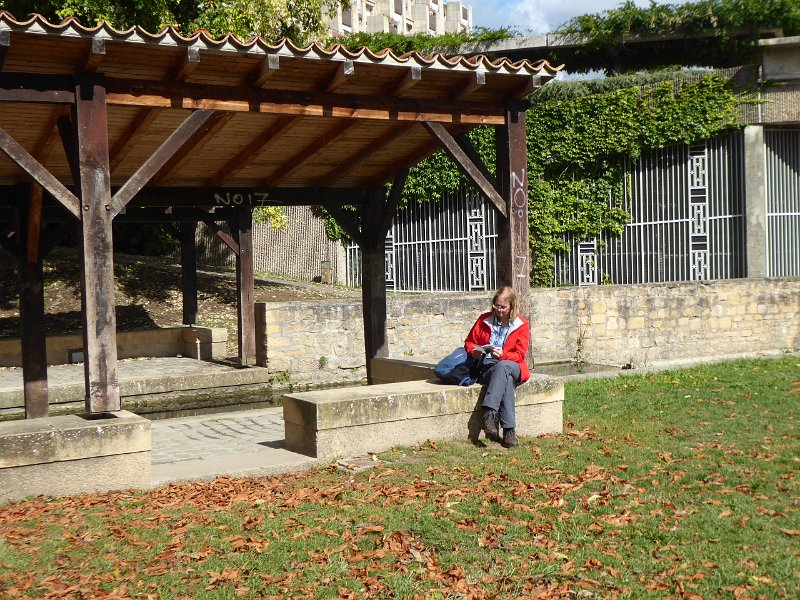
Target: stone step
column 350, row 421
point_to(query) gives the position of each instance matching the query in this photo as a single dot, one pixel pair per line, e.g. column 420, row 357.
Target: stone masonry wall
column 322, row 342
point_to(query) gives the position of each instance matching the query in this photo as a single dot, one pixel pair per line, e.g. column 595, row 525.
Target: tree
column 299, row 20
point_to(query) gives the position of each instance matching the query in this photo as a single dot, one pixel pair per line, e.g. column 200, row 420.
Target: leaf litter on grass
column 648, row 494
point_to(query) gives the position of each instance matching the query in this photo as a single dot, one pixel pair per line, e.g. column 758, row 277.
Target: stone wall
column 322, row 342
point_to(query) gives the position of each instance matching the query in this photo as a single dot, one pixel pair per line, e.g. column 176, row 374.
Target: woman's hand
column 476, row 354
column 497, row 353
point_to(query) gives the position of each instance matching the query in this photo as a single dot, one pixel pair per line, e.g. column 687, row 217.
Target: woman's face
column 502, row 307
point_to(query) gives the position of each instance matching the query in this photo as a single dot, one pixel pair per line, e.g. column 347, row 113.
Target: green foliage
column 299, row 20
column 576, row 151
column 718, row 33
column 448, row 43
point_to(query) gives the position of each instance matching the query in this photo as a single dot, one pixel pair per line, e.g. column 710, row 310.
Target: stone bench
column 356, row 420
column 72, row 454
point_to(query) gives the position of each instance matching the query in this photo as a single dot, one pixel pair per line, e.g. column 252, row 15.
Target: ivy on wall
column 577, row 147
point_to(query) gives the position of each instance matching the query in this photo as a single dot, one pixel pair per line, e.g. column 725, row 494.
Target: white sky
column 540, row 16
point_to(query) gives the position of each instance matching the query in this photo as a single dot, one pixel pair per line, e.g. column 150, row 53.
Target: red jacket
column 516, row 346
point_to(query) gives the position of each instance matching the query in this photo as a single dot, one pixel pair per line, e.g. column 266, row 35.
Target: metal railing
column 783, row 201
column 443, row 245
column 687, row 221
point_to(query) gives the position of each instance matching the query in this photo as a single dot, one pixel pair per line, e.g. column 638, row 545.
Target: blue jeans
column 500, row 382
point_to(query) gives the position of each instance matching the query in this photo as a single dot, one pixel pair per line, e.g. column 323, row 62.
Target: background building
column 402, row 16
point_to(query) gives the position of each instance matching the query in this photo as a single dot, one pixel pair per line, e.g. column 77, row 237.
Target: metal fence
column 687, row 221
column 443, row 245
column 783, row 201
column 687, row 207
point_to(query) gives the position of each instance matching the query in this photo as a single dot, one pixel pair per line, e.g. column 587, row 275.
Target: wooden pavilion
column 99, row 125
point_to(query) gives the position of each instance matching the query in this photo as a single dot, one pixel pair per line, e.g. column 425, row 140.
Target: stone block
column 74, row 454
column 336, row 422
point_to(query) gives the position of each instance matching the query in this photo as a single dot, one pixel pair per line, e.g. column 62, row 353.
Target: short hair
column 507, row 290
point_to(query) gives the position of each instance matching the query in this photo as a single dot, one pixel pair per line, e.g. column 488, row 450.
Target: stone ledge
column 329, row 423
column 71, row 454
column 71, row 437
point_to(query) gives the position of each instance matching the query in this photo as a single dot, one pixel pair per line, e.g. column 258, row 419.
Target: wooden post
column 513, row 248
column 97, row 274
column 31, row 304
column 245, row 287
column 373, row 278
column 189, row 271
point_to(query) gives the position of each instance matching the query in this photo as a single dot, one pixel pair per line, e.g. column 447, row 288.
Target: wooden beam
column 177, row 141
column 69, row 142
column 343, row 72
column 475, row 81
column 8, row 240
column 473, row 173
column 266, row 70
column 131, row 136
column 347, row 222
column 361, row 156
column 395, row 195
column 96, row 55
column 31, row 303
column 513, row 248
column 465, row 144
column 97, row 274
column 309, row 151
column 187, row 64
column 197, row 142
column 5, row 43
column 222, row 198
column 42, row 176
column 189, row 271
column 373, row 281
column 245, row 287
column 221, row 234
column 234, row 99
column 252, row 151
column 409, row 79
column 43, row 146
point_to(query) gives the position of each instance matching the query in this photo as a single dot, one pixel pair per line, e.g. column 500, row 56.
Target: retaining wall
column 636, row 325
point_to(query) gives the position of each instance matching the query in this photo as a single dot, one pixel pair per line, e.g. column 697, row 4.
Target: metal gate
column 444, row 245
column 783, row 201
column 687, row 221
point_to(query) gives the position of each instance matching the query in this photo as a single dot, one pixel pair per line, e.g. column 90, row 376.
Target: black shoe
column 490, row 424
column 510, row 438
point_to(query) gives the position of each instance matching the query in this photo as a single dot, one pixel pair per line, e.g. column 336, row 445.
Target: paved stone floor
column 209, row 436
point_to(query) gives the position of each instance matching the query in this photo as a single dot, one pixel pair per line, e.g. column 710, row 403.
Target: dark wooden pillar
column 31, row 303
column 373, row 279
column 245, row 289
column 97, row 274
column 189, row 271
column 513, row 248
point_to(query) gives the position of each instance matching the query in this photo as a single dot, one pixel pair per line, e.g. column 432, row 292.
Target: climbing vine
column 577, row 146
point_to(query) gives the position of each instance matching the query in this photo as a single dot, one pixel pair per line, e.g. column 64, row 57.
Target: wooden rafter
column 96, row 54
column 252, row 151
column 409, row 79
column 194, row 127
column 309, row 151
column 5, row 42
column 224, row 98
column 343, row 71
column 464, row 160
column 34, row 168
column 144, row 118
column 193, row 148
column 474, row 82
column 43, row 145
column 268, row 67
column 362, row 155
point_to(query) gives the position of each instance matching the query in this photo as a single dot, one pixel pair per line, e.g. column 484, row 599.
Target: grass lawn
column 680, row 484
